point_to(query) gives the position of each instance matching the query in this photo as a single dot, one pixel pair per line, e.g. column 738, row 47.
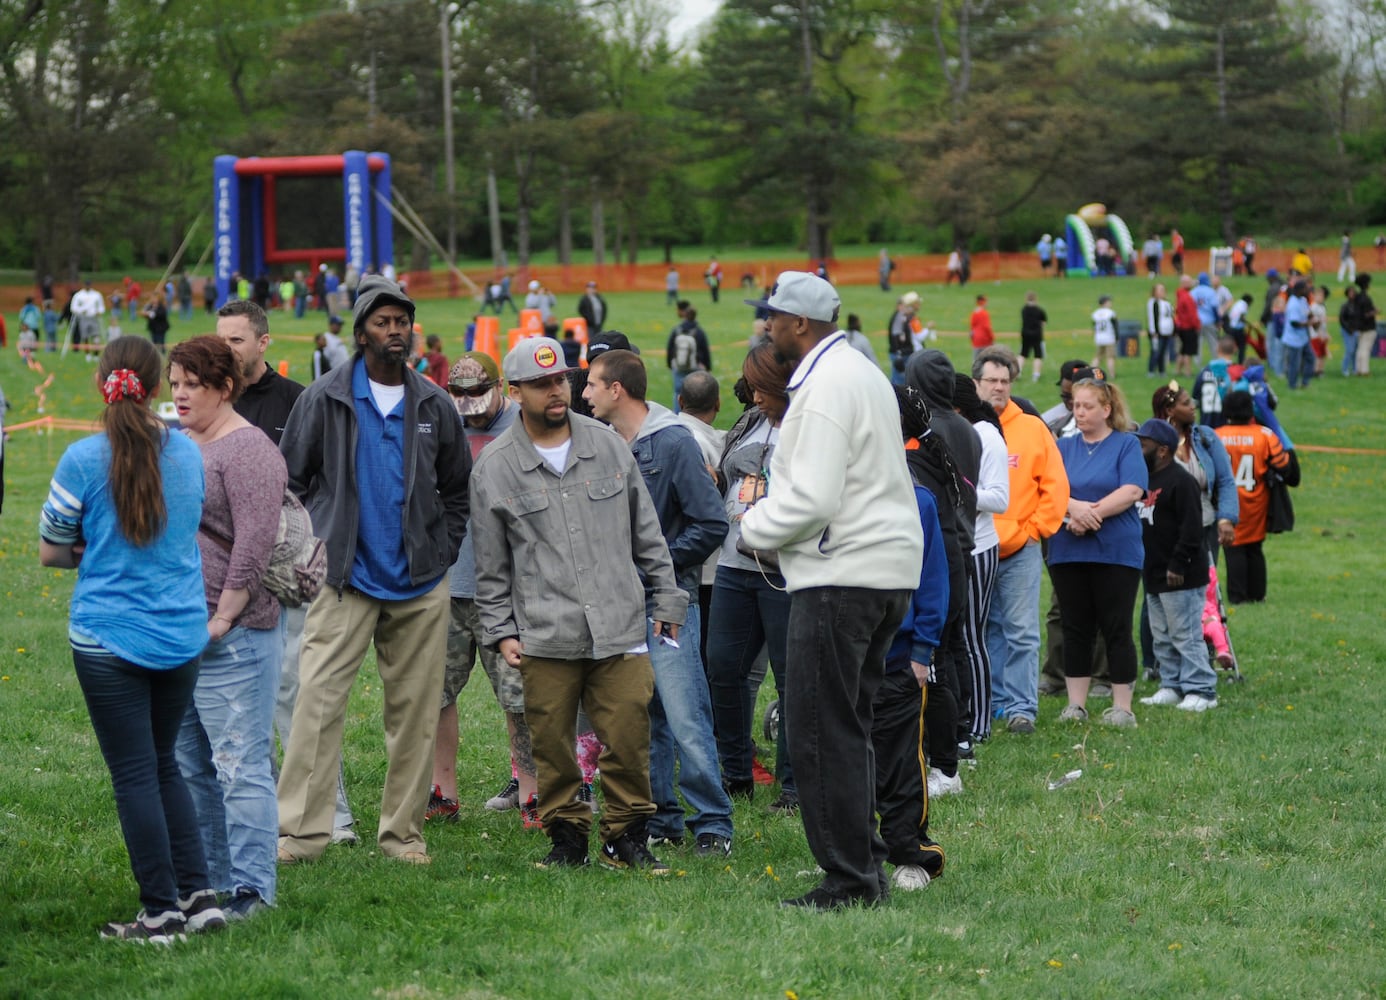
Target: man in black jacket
column 377, row 454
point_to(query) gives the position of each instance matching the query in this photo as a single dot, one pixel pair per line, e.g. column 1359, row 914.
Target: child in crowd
column 1104, row 334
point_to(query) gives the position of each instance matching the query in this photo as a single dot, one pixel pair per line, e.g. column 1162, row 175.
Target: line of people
column 570, row 553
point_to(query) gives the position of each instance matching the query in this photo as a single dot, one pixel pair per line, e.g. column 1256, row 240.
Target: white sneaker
column 1164, row 696
column 941, row 784
column 909, row 877
column 1197, row 703
column 345, row 835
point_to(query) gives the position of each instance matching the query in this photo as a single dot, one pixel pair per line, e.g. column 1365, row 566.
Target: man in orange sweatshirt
column 1039, row 501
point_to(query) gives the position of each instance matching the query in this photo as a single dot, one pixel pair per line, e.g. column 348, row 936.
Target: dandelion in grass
column 791, row 995
column 1175, row 946
column 1054, row 963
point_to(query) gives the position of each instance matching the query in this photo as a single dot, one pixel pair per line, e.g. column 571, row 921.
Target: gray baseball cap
column 533, row 358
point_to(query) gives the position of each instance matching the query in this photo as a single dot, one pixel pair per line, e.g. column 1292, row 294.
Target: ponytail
column 128, row 377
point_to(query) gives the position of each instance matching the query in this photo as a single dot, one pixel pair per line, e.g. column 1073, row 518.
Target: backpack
column 685, row 352
column 298, row 561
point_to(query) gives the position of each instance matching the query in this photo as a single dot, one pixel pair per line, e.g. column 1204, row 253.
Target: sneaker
column 967, row 754
column 740, row 788
column 245, row 904
column 910, row 877
column 586, row 797
column 630, row 851
column 1119, row 717
column 1164, row 696
column 759, row 774
column 345, row 835
column 569, row 848
column 1020, row 725
column 1048, row 685
column 164, row 928
column 713, row 844
column 675, row 841
column 1197, row 703
column 941, row 784
column 1100, row 690
column 1152, row 674
column 1073, row 713
column 786, row 805
column 201, row 912
column 440, row 808
column 529, row 814
column 507, row 798
column 822, row 899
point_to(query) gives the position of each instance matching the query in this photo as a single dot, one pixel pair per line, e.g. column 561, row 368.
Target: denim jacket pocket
column 604, row 489
column 528, row 503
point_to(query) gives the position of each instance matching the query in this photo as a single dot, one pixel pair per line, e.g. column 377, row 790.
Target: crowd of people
column 626, row 574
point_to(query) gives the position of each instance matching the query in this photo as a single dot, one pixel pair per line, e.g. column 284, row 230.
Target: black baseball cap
column 1068, row 368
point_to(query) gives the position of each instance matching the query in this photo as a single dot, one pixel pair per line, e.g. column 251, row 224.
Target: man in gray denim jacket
column 563, row 528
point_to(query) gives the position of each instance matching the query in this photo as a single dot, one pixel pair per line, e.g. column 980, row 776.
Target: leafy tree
column 780, row 116
column 530, row 68
column 1214, row 111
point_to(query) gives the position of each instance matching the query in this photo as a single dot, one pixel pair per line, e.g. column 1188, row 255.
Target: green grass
column 1230, row 854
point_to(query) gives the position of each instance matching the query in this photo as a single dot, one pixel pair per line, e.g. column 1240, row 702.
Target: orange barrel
column 487, row 337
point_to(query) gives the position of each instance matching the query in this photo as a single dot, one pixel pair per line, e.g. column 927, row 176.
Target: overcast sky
column 691, row 15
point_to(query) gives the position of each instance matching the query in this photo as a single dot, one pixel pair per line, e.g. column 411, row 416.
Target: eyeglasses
column 994, row 381
column 476, row 391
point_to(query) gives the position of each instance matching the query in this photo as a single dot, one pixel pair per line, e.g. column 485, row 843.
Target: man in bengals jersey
column 1253, row 450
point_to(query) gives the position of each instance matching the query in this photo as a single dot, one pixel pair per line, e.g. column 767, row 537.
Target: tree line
column 579, row 123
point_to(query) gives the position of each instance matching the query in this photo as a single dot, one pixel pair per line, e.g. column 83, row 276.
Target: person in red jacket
column 1185, row 326
column 982, row 335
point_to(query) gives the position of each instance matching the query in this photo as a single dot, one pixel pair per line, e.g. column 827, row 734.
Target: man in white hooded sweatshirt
column 841, row 512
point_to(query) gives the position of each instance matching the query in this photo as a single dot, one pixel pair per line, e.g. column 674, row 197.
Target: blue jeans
column 747, row 613
column 1176, row 623
column 838, row 638
column 1013, row 634
column 681, row 725
column 1275, row 347
column 224, row 751
column 136, row 714
column 1349, row 350
column 1299, row 365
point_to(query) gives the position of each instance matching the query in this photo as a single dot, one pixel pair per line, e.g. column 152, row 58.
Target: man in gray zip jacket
column 377, row 454
column 563, row 528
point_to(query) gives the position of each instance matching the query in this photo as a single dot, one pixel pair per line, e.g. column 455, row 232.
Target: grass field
column 1235, row 853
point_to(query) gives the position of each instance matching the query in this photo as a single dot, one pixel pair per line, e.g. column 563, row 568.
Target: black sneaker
column 822, row 899
column 569, row 848
column 245, row 904
column 786, row 805
column 629, row 851
column 740, row 788
column 202, row 912
column 713, row 843
column 162, row 928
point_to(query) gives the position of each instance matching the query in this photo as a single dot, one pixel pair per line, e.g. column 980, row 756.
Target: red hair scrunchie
column 123, row 383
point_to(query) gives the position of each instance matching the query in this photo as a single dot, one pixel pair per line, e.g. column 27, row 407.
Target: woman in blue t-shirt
column 123, row 510
column 1095, row 559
